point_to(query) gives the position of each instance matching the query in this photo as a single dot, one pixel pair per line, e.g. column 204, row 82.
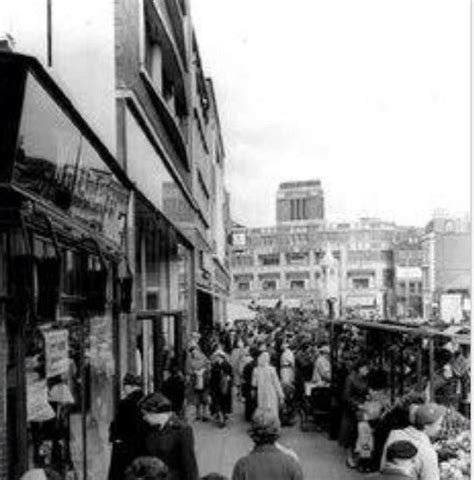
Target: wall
column 83, row 56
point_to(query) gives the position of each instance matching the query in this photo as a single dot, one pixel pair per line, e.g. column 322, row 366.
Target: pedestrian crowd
column 273, row 372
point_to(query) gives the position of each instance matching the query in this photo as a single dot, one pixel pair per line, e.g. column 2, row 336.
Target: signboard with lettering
column 56, row 352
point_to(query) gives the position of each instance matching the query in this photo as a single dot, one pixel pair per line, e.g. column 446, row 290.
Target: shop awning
column 238, row 311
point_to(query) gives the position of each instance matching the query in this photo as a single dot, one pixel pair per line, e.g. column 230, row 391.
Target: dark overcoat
column 355, row 392
column 220, row 385
column 174, row 445
column 124, row 434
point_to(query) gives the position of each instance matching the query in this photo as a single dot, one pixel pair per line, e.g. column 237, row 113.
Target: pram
column 315, row 409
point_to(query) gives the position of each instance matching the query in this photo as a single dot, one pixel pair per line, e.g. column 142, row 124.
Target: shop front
column 162, row 254
column 63, row 205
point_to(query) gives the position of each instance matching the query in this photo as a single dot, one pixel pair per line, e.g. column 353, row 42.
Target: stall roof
column 421, row 331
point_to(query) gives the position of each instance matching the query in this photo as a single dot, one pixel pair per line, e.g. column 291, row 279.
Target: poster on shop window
column 56, row 352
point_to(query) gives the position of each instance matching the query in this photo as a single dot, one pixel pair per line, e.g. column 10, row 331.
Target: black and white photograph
column 235, row 239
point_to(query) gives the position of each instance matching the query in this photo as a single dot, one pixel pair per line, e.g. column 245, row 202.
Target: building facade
column 446, row 266
column 307, row 265
column 148, row 133
column 300, row 202
column 408, row 256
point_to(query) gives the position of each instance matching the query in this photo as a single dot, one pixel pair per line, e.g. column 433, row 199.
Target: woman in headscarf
column 265, row 380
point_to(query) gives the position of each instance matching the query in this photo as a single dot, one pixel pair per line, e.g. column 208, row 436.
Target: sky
column 372, row 97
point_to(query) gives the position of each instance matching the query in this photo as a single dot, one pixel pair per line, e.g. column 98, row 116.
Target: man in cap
column 167, row 437
column 267, row 461
column 400, row 462
column 125, row 428
column 427, row 422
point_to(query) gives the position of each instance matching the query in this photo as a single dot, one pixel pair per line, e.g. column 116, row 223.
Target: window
column 300, row 258
column 298, row 209
column 243, row 286
column 360, row 283
column 412, row 287
column 271, row 259
column 297, row 285
column 401, row 286
column 269, row 285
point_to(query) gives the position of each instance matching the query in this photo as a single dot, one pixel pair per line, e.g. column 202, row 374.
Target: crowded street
column 235, row 239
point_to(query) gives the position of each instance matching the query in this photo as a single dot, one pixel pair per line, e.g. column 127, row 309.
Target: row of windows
column 413, row 287
column 270, row 285
column 293, row 258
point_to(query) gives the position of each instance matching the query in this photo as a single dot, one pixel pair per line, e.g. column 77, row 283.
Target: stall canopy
column 237, row 311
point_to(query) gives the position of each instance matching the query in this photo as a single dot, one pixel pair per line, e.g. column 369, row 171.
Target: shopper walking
column 287, row 365
column 266, row 461
column 197, row 371
column 221, row 389
column 265, row 381
column 248, row 392
column 125, row 427
column 167, row 437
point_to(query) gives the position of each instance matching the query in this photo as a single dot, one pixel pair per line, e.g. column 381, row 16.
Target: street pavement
column 217, row 450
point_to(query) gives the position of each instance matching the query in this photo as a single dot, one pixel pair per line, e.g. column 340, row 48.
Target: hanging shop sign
column 37, row 407
column 56, row 352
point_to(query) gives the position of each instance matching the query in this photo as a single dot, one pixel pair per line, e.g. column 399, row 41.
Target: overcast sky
column 370, row 96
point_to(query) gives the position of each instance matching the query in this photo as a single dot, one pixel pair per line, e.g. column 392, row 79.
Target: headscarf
column 264, row 359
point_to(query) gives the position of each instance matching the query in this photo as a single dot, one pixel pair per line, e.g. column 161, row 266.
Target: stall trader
column 428, row 419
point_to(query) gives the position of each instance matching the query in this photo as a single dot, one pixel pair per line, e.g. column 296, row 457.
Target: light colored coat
column 426, row 460
column 265, row 379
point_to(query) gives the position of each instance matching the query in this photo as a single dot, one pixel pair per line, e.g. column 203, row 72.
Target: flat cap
column 402, row 450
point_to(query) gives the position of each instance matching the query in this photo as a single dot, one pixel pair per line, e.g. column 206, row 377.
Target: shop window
column 243, row 286
column 297, row 285
column 360, row 283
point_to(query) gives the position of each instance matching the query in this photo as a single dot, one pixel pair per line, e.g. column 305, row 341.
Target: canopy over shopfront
column 237, row 311
column 63, row 206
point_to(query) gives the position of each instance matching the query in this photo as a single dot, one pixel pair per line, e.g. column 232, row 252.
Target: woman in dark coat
column 353, row 396
column 168, row 438
column 221, row 389
column 126, row 427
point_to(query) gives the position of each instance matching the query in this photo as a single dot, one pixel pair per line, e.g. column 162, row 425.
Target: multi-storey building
column 295, row 263
column 300, row 202
column 446, row 263
column 121, row 146
column 408, row 256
